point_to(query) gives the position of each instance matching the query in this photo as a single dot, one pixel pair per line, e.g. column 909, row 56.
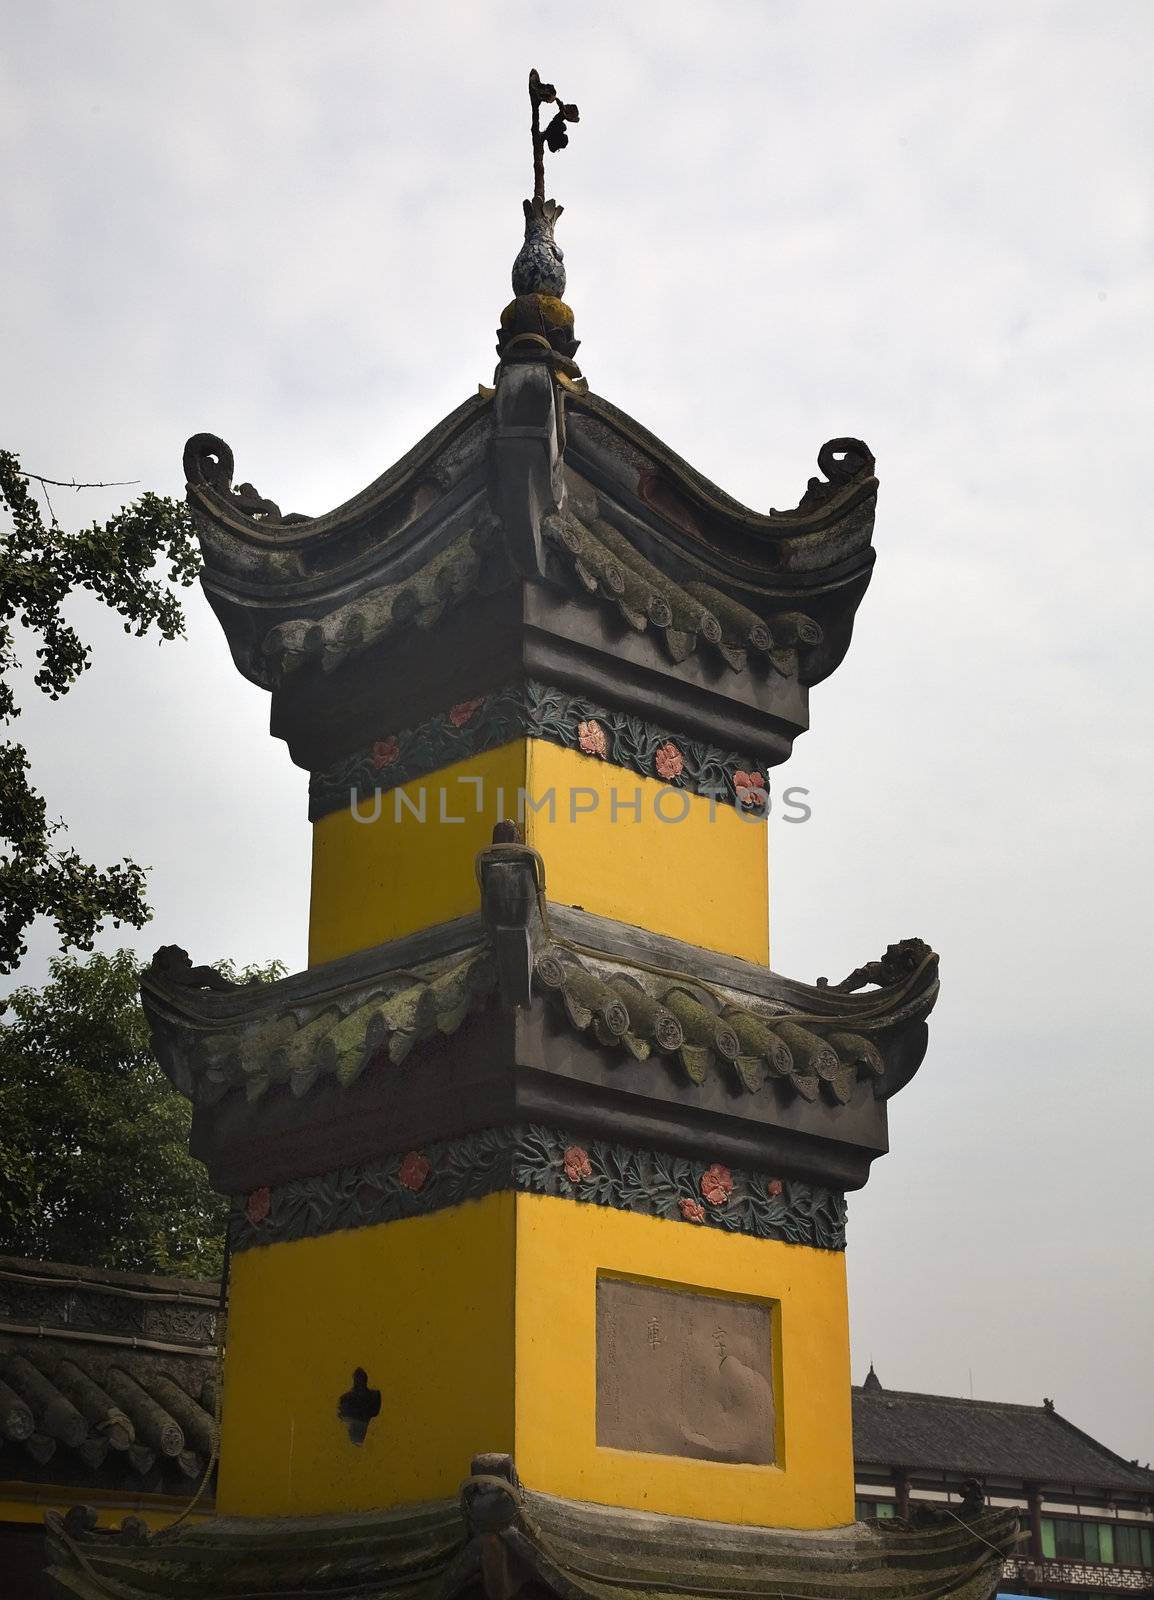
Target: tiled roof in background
column 107, row 1379
column 985, row 1439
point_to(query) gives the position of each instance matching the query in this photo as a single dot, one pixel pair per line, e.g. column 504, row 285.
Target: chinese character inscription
column 684, row 1374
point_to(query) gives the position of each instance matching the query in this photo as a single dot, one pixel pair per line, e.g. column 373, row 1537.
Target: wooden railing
column 1079, row 1575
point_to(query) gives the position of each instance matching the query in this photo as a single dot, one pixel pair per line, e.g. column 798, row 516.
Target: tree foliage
column 40, row 568
column 94, row 1162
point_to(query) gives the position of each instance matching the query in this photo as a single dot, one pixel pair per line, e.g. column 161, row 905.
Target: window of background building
column 1132, row 1546
column 871, row 1510
column 1111, row 1543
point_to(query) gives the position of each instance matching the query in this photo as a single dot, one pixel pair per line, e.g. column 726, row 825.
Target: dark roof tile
column 985, row 1438
column 107, row 1379
column 554, row 1547
column 81, row 1413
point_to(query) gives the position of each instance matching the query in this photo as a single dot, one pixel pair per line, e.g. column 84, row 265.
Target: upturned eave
column 535, row 1013
column 633, row 529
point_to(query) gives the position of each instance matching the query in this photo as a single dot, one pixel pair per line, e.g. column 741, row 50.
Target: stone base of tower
column 498, row 1540
column 620, row 1359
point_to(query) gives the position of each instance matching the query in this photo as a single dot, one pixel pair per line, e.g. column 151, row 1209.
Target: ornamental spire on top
column 540, row 265
column 539, row 270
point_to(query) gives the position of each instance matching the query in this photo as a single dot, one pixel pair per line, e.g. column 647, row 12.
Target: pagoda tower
column 539, row 1169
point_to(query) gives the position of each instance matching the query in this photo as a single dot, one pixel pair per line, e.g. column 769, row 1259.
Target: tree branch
column 60, row 483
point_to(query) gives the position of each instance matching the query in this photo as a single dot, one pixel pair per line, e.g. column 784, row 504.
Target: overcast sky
column 927, row 226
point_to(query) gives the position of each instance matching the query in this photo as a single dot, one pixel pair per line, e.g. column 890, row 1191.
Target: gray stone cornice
column 538, row 533
column 536, row 1013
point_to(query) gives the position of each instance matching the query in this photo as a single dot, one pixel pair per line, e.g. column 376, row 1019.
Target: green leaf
column 94, row 1161
column 40, row 568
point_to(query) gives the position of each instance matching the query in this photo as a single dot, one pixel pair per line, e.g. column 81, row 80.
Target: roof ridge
column 1123, row 1461
column 857, row 472
column 953, row 1399
column 110, row 1280
column 1083, row 1457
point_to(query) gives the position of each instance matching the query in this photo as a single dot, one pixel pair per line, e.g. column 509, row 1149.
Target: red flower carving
column 577, row 1164
column 717, row 1184
column 257, row 1206
column 692, row 1210
column 414, row 1170
column 591, row 738
column 751, row 792
column 774, row 1187
column 386, row 751
column 669, row 761
column 464, row 711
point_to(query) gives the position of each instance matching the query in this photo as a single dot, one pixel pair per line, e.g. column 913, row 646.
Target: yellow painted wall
column 425, row 1306
column 704, row 879
column 478, row 1326
column 701, row 876
column 378, row 880
column 561, row 1247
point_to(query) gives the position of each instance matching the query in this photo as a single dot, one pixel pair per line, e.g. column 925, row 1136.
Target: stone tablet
column 682, row 1373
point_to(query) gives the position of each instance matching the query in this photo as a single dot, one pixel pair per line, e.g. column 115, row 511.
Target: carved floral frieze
column 534, row 711
column 538, row 1160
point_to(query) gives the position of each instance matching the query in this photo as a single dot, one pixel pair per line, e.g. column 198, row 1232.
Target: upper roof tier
column 589, row 552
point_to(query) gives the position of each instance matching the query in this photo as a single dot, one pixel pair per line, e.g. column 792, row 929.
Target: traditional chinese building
column 539, row 1168
column 1088, row 1513
column 108, row 1395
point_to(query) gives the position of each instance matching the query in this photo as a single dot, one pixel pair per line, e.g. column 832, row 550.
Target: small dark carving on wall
column 79, row 1520
column 358, row 1406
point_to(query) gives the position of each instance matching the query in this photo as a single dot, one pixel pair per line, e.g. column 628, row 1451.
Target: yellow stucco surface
column 379, row 879
column 561, row 1248
column 687, row 866
column 478, row 1326
column 614, row 843
column 425, row 1306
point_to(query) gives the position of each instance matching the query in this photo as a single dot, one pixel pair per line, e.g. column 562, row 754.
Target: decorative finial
column 540, row 266
column 539, row 312
column 555, row 135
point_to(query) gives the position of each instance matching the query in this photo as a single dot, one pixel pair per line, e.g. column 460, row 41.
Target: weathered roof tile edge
column 568, row 1549
column 1104, row 1469
column 811, row 1040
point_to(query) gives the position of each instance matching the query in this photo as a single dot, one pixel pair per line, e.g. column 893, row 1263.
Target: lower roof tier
column 534, row 1014
column 501, row 1540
